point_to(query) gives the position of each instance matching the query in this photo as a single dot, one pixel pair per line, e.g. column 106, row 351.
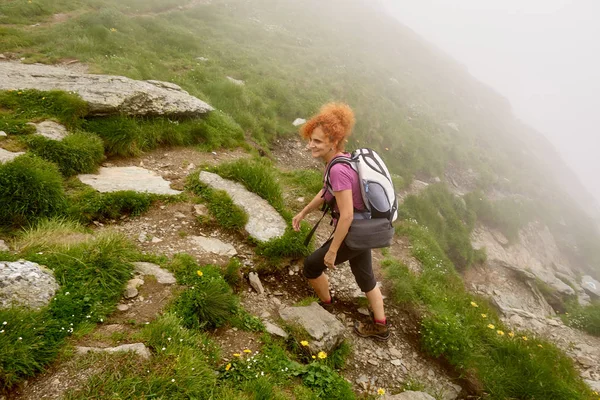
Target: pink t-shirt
column 343, row 177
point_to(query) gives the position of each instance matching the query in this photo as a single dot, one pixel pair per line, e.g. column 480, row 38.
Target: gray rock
column 122, row 307
column 236, row 81
column 255, row 282
column 161, row 275
column 3, row 134
column 137, row 348
column 26, row 284
column 396, row 362
column 264, row 222
column 6, row 155
column 200, row 209
column 50, row 130
column 274, row 329
column 3, row 246
column 324, row 329
column 105, row 94
column 409, row 395
column 130, row 292
column 594, row 385
column 590, row 285
column 299, row 121
column 138, row 179
column 215, row 246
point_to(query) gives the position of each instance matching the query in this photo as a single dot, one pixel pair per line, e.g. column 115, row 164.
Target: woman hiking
column 327, row 132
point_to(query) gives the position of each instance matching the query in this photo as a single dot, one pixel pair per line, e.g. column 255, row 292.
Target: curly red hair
column 335, row 119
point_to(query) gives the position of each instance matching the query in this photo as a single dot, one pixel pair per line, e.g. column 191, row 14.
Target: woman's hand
column 296, row 221
column 329, row 259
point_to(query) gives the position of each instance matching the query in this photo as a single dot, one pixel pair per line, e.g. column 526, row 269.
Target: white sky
column 543, row 55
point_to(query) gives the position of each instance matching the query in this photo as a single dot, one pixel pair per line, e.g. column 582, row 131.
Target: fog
column 542, row 55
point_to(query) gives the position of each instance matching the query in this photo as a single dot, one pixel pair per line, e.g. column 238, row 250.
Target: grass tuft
column 30, row 189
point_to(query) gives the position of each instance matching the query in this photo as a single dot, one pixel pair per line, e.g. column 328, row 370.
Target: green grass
column 508, row 215
column 35, row 105
column 258, row 176
column 468, row 333
column 219, row 204
column 585, row 318
column 92, row 277
column 78, row 153
column 181, row 366
column 130, row 136
column 449, row 221
column 87, row 205
column 30, row 189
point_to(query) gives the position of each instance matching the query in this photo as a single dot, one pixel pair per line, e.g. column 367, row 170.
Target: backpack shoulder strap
column 335, row 161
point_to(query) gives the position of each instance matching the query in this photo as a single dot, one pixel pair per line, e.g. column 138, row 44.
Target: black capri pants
column 360, row 263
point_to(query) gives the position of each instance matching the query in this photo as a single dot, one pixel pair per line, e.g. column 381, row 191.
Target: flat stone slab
column 215, row 246
column 409, row 395
column 162, row 276
column 324, row 329
column 50, row 130
column 138, row 179
column 105, row 94
column 26, row 284
column 264, row 222
column 6, row 155
column 138, row 348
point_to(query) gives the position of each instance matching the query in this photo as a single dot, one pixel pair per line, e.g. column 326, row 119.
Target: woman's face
column 319, row 144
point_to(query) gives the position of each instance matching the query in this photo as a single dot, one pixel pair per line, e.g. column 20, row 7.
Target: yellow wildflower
column 501, row 333
column 228, row 367
column 322, row 355
column 236, row 354
column 473, row 304
column 540, row 346
column 387, row 148
column 314, row 357
column 200, row 273
column 483, row 315
column 247, row 351
column 381, row 391
column 511, row 334
column 524, row 337
column 491, row 326
column 304, row 343
column 113, row 29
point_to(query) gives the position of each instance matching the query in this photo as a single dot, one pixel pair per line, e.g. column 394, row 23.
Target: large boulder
column 105, row 94
column 26, row 284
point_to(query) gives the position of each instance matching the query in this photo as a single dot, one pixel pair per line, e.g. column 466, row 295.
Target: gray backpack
column 372, row 228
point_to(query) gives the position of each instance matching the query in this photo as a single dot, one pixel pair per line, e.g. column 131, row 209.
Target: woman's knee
column 312, row 268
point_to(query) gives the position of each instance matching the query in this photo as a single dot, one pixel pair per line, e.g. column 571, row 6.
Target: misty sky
column 543, row 55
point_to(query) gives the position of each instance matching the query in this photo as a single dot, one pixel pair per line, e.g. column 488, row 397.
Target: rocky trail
column 168, row 229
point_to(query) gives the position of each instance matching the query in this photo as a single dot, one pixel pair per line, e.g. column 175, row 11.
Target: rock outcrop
column 105, row 94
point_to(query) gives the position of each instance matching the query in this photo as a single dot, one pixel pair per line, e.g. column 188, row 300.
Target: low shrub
column 208, row 301
column 77, row 153
column 30, row 189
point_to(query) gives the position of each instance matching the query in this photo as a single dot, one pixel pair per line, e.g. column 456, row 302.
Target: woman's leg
column 376, row 302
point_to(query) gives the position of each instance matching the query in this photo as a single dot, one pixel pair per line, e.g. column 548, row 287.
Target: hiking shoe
column 328, row 306
column 374, row 330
